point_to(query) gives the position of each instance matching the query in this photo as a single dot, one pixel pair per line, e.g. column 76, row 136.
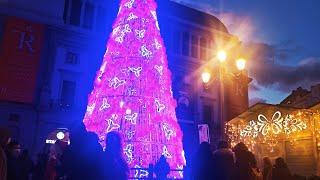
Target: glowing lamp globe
column 206, row 76
column 222, row 55
column 60, row 135
column 241, row 64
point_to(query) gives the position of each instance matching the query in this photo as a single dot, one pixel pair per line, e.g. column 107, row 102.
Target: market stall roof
column 264, row 108
column 316, row 107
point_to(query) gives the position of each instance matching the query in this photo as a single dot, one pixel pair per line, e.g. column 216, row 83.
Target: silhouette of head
column 162, row 168
column 162, row 159
column 4, row 137
column 223, row 145
column 280, row 163
column 113, row 142
column 240, row 147
column 14, row 148
column 204, row 150
column 267, row 162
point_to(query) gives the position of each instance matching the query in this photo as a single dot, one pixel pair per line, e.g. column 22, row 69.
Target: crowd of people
column 235, row 164
column 84, row 159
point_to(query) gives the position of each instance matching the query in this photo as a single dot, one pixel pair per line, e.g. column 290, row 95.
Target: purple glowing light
column 132, row 91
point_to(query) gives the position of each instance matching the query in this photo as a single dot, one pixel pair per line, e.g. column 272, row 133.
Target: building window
column 185, row 43
column 203, row 48
column 66, row 10
column 75, row 14
column 88, row 16
column 72, row 58
column 14, row 117
column 67, row 93
column 176, row 42
column 194, row 46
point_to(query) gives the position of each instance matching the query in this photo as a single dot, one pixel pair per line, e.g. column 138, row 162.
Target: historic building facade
column 303, row 98
column 64, row 41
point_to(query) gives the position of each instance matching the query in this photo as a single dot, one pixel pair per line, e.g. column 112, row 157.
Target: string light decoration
column 276, row 125
column 132, row 91
column 288, row 127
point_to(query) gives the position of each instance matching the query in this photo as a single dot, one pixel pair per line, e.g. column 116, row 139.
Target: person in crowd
column 202, row 164
column 40, row 167
column 280, row 170
column 26, row 165
column 55, row 155
column 267, row 169
column 246, row 164
column 13, row 167
column 223, row 159
column 54, row 161
column 4, row 140
column 150, row 171
column 116, row 166
column 162, row 168
column 83, row 158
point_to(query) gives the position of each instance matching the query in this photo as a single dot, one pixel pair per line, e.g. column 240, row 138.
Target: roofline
column 267, row 104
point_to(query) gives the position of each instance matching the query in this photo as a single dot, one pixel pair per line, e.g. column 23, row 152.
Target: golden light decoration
column 276, row 125
column 271, row 131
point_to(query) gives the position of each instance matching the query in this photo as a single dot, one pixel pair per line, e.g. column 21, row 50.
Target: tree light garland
column 132, row 92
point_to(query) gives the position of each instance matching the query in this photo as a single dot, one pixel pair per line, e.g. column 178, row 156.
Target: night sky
column 288, row 30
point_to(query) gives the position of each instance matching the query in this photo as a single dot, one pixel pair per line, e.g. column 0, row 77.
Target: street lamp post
column 207, row 79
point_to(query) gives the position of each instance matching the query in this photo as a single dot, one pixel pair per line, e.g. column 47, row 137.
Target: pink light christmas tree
column 132, row 91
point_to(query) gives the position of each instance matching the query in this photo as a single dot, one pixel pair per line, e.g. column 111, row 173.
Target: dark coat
column 13, row 170
column 245, row 161
column 115, row 168
column 281, row 173
column 202, row 164
column 224, row 165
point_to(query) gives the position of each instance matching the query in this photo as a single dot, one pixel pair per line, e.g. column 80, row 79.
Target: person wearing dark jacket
column 162, row 168
column 280, row 170
column 83, row 158
column 13, row 152
column 223, row 159
column 26, row 165
column 245, row 162
column 116, row 167
column 202, row 164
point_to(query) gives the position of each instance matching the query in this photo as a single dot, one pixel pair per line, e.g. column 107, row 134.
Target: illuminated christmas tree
column 132, row 91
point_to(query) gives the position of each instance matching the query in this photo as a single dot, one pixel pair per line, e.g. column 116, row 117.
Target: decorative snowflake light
column 276, row 125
